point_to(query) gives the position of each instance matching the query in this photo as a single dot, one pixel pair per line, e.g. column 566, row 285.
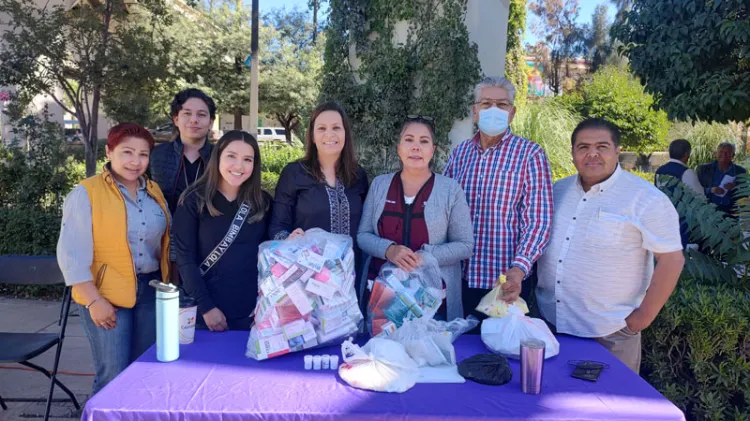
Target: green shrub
column 35, row 180
column 616, row 95
column 648, row 176
column 697, row 352
column 549, row 123
column 275, row 158
column 268, row 181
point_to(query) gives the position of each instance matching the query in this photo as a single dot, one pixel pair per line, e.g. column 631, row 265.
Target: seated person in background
column 712, row 176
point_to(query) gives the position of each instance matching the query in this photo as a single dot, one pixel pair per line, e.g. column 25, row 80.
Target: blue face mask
column 493, row 121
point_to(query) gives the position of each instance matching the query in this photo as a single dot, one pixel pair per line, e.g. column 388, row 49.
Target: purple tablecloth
column 214, row 381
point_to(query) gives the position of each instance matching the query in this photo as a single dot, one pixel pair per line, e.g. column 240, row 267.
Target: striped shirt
column 509, row 190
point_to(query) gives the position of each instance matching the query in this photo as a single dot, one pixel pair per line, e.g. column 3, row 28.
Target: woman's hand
column 296, row 233
column 102, row 313
column 403, row 257
column 215, row 320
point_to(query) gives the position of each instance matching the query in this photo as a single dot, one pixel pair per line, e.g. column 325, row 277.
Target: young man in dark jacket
column 177, row 164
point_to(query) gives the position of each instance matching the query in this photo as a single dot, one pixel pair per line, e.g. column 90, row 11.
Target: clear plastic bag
column 306, row 295
column 381, row 365
column 398, row 295
column 504, row 335
column 429, row 342
column 493, row 305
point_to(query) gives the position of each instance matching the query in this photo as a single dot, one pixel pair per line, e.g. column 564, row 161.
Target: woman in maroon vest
column 415, row 209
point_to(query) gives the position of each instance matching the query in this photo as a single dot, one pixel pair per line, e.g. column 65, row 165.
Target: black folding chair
column 22, row 347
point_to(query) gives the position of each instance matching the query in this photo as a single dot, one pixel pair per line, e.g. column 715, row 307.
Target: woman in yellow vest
column 115, row 239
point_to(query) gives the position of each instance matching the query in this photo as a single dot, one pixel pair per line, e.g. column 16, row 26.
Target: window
column 281, row 132
column 268, row 132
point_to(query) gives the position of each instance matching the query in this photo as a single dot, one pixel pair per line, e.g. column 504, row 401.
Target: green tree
column 598, row 42
column 515, row 56
column 223, row 69
column 616, row 95
column 315, row 6
column 186, row 64
column 290, row 70
column 694, row 55
column 380, row 80
column 81, row 52
column 564, row 37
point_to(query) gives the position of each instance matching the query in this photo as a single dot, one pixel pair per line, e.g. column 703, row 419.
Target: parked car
column 163, row 133
column 268, row 134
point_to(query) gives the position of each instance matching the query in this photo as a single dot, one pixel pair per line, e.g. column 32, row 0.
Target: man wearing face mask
column 508, row 185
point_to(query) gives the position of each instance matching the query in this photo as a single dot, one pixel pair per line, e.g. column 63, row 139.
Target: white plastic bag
column 381, row 365
column 504, row 335
column 306, row 294
column 398, row 295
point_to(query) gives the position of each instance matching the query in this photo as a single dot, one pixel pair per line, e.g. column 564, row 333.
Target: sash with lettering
column 224, row 244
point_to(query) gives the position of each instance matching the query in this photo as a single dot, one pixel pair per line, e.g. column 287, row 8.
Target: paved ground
column 41, row 316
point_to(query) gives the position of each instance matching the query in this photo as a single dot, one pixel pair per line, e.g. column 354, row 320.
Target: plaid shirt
column 509, row 189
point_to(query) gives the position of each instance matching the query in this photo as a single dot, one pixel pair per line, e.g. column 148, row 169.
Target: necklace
column 197, row 172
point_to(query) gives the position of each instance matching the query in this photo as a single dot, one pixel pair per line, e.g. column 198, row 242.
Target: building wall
column 487, row 22
column 40, row 102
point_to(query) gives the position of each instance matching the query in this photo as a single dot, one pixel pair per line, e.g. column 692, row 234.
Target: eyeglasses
column 486, row 104
column 424, row 119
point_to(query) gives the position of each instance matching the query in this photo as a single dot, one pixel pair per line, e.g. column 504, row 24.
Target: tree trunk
column 89, row 140
column 316, row 6
column 289, row 122
column 96, row 93
column 238, row 118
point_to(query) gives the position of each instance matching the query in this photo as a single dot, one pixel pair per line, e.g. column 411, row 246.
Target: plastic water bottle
column 167, row 321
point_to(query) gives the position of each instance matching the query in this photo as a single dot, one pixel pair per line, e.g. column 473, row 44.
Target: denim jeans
column 135, row 331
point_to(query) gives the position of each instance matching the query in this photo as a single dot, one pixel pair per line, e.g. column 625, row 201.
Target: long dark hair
column 250, row 191
column 346, row 167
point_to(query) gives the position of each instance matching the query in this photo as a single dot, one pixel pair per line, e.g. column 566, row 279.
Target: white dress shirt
column 599, row 262
column 690, row 178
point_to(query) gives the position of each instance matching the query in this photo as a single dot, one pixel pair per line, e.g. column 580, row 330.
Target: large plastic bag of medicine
column 429, row 342
column 492, row 303
column 381, row 365
column 504, row 335
column 398, row 295
column 306, row 295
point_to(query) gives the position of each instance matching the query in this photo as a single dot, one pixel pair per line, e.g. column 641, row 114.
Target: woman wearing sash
column 114, row 239
column 219, row 222
column 415, row 209
column 326, row 188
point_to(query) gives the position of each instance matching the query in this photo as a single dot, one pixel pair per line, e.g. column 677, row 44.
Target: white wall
column 487, row 22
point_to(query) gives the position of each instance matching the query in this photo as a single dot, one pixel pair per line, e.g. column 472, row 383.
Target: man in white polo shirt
column 597, row 278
